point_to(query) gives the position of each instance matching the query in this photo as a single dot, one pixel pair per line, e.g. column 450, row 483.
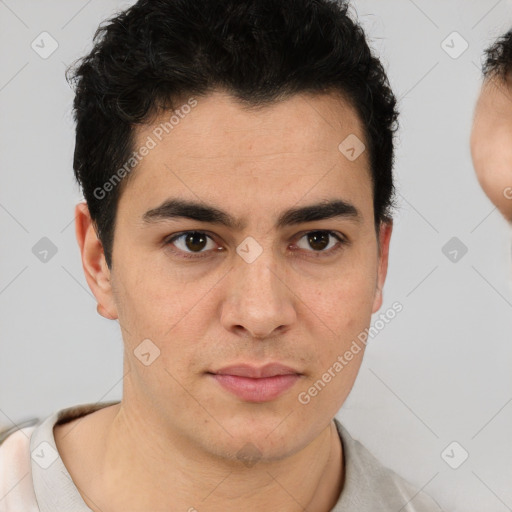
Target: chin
column 250, row 440
column 253, row 449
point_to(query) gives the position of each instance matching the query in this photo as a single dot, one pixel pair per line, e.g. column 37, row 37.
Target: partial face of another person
column 491, row 143
column 249, row 286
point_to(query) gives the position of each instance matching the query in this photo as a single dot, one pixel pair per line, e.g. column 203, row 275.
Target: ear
column 385, row 229
column 94, row 264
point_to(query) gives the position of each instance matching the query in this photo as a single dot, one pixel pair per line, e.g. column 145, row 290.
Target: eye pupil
column 318, row 240
column 195, row 241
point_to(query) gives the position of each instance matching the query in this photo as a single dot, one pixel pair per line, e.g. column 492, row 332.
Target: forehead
column 494, row 103
column 309, row 121
column 304, row 143
column 491, row 143
column 491, row 136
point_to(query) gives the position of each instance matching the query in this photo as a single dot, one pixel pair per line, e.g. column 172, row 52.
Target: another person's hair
column 259, row 51
column 498, row 58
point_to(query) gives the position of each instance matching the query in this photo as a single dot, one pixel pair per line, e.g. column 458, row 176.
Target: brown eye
column 195, row 241
column 191, row 242
column 319, row 241
column 197, row 244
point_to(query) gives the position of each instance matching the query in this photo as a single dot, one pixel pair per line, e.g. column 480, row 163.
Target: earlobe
column 94, row 264
column 377, row 301
column 385, row 230
column 104, row 313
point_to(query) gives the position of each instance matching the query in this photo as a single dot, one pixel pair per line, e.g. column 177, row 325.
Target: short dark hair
column 259, row 51
column 498, row 58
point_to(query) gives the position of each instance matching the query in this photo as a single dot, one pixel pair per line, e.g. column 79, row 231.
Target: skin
column 491, row 143
column 172, row 442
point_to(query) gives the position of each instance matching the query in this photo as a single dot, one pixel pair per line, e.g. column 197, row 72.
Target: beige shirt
column 33, row 477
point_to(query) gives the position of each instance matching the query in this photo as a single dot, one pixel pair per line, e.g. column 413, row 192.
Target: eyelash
column 342, row 242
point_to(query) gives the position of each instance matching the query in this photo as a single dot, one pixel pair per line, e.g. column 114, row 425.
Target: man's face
column 491, row 143
column 247, row 295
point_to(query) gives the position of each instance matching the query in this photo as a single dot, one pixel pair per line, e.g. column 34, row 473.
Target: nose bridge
column 258, row 298
column 257, row 269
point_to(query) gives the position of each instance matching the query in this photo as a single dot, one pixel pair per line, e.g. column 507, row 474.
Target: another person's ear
column 94, row 264
column 385, row 230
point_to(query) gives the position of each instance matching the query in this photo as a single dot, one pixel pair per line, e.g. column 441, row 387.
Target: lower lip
column 257, row 390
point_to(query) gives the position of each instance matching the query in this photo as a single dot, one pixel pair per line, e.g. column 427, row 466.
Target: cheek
column 344, row 317
column 338, row 317
column 345, row 299
column 175, row 315
column 155, row 298
column 339, row 313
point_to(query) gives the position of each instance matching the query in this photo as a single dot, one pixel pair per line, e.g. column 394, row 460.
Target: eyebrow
column 178, row 208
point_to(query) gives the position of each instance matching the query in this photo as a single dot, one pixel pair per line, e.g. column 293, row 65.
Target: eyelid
column 340, row 237
column 184, row 254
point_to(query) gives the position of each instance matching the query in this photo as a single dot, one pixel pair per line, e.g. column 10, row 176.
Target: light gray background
column 440, row 372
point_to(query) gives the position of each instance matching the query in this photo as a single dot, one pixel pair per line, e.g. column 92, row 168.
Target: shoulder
column 31, row 468
column 16, row 489
column 373, row 486
column 6, row 432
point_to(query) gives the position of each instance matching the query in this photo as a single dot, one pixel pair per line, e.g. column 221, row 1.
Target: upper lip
column 255, row 372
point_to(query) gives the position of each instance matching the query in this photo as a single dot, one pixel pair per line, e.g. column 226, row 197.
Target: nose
column 258, row 303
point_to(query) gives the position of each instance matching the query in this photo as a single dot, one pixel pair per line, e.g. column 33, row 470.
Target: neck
column 139, row 467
